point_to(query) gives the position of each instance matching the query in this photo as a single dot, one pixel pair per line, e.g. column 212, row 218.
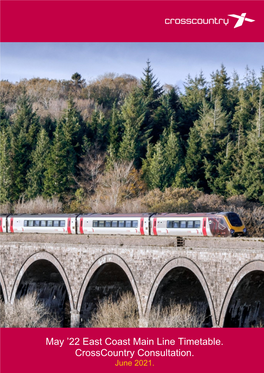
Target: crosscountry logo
column 241, row 19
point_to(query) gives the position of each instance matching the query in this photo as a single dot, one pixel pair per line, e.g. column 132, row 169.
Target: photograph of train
column 208, row 224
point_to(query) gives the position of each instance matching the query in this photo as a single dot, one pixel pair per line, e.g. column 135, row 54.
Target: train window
column 49, row 223
column 176, row 224
column 95, row 223
column 234, row 219
column 25, row 223
column 189, row 224
column 197, row 224
column 62, row 223
column 36, row 223
column 108, row 223
column 121, row 223
column 128, row 223
column 30, row 223
column 43, row 223
column 56, row 223
column 134, row 223
column 169, row 224
column 101, row 223
column 183, row 224
column 114, row 224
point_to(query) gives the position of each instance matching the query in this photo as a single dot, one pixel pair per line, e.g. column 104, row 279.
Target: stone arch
column 189, row 265
column 257, row 265
column 50, row 258
column 109, row 258
column 3, row 288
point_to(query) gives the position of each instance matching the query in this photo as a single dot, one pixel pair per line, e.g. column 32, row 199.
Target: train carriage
column 178, row 224
column 42, row 223
column 129, row 224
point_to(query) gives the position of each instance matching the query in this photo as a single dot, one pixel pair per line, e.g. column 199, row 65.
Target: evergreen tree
column 4, row 123
column 194, row 160
column 116, row 130
column 135, row 137
column 58, row 178
column 252, row 173
column 195, row 93
column 213, row 130
column 5, row 177
column 154, row 165
column 97, row 130
column 151, row 89
column 251, row 89
column 241, row 122
column 24, row 132
column 163, row 161
column 72, row 128
column 177, row 112
column 220, row 88
column 151, row 93
column 35, row 175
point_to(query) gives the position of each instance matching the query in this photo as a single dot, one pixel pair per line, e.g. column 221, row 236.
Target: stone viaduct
column 225, row 274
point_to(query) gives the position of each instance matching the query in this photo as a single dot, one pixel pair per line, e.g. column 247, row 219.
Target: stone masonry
column 218, row 263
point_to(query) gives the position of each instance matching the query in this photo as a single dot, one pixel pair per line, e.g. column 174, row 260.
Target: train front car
column 42, row 223
column 226, row 224
column 127, row 224
column 235, row 225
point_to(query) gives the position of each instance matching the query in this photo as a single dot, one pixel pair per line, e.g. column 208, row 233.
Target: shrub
column 209, row 203
column 27, row 312
column 177, row 316
column 5, row 208
column 124, row 314
column 37, row 206
column 171, row 200
column 120, row 314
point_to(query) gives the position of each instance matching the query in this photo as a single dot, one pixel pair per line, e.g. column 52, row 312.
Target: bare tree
column 91, row 167
column 110, row 187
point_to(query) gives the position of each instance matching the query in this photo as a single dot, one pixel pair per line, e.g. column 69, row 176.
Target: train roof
column 191, row 215
column 112, row 215
column 43, row 216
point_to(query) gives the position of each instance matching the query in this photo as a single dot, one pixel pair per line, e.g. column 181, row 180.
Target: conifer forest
column 126, row 144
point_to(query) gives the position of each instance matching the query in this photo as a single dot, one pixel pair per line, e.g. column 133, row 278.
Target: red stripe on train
column 1, row 228
column 142, row 226
column 204, row 227
column 69, row 226
column 155, row 226
column 81, row 225
column 11, row 225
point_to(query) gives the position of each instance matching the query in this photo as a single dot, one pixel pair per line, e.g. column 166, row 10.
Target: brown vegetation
column 120, row 314
column 124, row 314
column 177, row 316
column 26, row 312
column 37, row 206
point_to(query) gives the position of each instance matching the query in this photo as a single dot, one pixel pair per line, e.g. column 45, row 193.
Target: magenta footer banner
column 109, row 350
